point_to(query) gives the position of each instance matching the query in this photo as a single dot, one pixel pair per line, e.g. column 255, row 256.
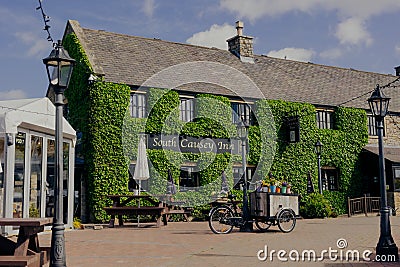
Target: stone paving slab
column 193, row 244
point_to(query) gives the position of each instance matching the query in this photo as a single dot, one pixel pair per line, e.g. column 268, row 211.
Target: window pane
column 324, row 119
column 186, row 108
column 1, row 176
column 36, row 176
column 51, row 146
column 19, row 171
column 137, row 105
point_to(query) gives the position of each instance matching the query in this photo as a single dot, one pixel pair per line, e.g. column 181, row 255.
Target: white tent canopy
column 36, row 114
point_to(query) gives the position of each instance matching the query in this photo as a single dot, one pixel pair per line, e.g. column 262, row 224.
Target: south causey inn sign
column 188, row 144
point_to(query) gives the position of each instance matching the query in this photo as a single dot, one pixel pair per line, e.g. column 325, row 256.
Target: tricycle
column 266, row 209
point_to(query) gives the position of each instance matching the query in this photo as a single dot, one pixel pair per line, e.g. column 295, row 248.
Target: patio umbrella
column 142, row 166
column 171, row 189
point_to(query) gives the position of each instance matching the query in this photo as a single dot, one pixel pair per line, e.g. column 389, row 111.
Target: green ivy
column 99, row 111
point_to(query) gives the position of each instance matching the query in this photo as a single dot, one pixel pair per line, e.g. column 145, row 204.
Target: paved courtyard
column 193, row 244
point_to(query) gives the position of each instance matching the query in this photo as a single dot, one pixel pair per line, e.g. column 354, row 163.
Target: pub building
column 156, row 81
column 27, row 153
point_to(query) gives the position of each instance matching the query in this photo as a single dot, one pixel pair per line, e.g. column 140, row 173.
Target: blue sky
column 358, row 34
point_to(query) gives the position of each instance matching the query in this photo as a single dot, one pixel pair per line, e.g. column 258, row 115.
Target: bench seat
column 29, row 261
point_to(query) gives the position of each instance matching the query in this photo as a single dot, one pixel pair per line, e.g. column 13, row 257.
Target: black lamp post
column 59, row 67
column 386, row 247
column 242, row 128
column 318, row 151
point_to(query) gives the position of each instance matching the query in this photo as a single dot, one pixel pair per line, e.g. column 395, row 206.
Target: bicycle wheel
column 286, row 220
column 218, row 220
column 263, row 225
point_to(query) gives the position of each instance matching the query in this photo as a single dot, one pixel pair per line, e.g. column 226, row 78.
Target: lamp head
column 379, row 103
column 59, row 67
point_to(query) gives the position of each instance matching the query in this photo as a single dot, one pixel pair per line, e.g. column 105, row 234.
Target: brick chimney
column 240, row 45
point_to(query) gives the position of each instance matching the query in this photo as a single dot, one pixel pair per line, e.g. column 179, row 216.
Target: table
column 120, row 207
column 27, row 248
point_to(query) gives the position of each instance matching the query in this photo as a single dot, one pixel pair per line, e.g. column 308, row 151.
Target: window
column 396, row 178
column 137, row 105
column 324, row 119
column 242, row 111
column 329, row 178
column 372, row 129
column 186, row 108
column 19, row 171
column 189, row 177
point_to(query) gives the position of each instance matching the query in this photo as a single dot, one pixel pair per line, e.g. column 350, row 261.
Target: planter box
column 268, row 204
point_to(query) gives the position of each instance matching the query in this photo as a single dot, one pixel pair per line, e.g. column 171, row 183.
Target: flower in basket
column 284, row 183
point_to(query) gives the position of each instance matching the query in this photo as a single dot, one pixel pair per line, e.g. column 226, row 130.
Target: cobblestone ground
column 193, row 244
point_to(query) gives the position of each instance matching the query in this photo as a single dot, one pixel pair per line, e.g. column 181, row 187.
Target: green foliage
column 292, row 161
column 315, row 206
column 98, row 111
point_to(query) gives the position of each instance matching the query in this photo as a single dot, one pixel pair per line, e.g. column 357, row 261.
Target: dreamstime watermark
column 340, row 253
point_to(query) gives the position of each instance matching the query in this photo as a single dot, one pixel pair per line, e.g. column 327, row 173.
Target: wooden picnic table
column 26, row 251
column 120, row 207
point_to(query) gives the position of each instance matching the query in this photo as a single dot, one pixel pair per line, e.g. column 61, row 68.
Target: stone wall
column 392, row 132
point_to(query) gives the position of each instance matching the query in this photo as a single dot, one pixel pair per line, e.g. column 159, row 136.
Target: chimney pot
column 239, row 27
column 397, row 70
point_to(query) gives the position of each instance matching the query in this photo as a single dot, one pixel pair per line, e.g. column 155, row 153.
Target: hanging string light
column 46, row 20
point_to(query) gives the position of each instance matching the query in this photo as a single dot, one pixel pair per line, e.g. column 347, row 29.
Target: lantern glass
column 379, row 103
column 59, row 66
column 318, row 147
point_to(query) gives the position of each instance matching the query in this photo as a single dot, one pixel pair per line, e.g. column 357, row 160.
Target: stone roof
column 138, row 61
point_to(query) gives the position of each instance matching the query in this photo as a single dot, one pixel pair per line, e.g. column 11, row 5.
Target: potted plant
column 284, row 187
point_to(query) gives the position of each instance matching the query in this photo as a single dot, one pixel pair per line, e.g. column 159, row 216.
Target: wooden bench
column 172, row 209
column 130, row 210
column 29, row 261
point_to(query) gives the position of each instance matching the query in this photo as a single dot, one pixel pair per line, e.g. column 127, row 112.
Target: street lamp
column 386, row 247
column 59, row 67
column 318, row 150
column 242, row 128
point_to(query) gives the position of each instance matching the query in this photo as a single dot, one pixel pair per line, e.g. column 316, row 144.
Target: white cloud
column 331, row 53
column 36, row 44
column 353, row 32
column 254, row 9
column 148, row 8
column 299, row 54
column 397, row 49
column 352, row 13
column 216, row 36
column 13, row 94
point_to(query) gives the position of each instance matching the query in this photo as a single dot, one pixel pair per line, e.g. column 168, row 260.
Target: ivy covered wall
column 99, row 111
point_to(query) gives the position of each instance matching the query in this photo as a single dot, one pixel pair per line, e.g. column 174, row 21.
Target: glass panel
column 36, row 176
column 65, row 180
column 19, row 170
column 51, row 146
column 396, row 176
column 137, row 105
column 1, row 176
